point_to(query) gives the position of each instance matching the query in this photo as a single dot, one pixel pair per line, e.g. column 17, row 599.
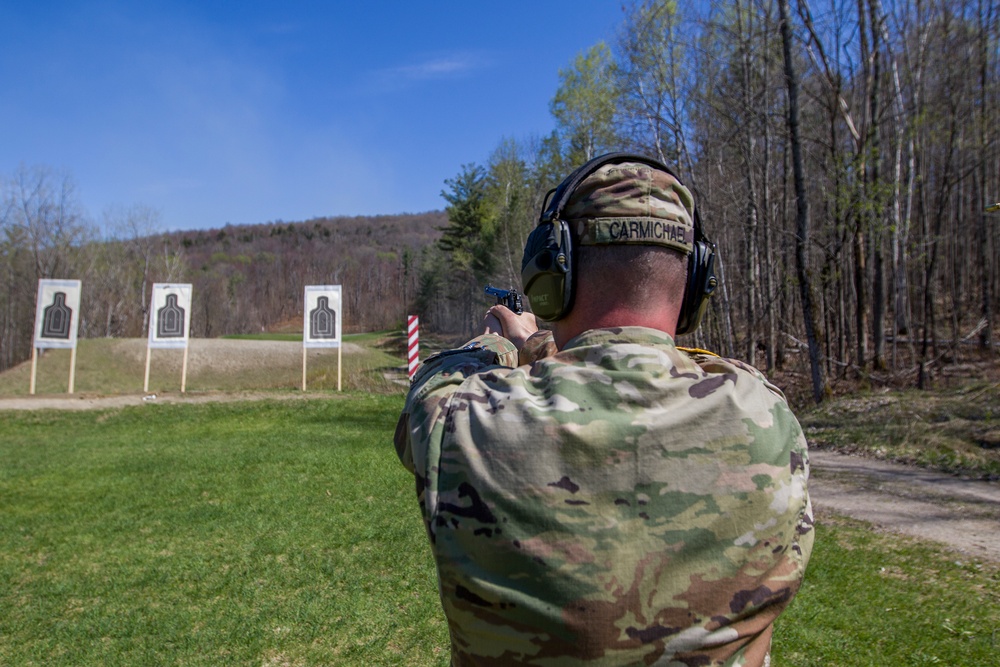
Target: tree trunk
column 875, row 197
column 802, row 206
column 860, row 292
column 986, row 267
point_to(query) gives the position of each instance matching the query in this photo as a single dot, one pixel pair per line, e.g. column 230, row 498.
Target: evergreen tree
column 468, row 238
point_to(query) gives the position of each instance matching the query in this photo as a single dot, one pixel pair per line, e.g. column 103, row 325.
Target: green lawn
column 285, row 533
column 876, row 600
column 219, row 534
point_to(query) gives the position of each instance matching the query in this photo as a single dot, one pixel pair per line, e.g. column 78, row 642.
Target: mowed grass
column 259, row 533
column 871, row 600
column 287, row 534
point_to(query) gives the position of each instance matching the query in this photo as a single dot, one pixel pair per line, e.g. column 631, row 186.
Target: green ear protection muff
column 547, row 264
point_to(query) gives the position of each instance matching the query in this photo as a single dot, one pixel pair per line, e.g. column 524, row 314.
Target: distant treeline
column 250, row 277
column 245, row 279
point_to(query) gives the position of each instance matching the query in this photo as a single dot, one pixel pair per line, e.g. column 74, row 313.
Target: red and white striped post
column 413, row 343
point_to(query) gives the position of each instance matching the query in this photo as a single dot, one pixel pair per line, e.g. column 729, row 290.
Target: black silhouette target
column 170, row 319
column 323, row 320
column 56, row 318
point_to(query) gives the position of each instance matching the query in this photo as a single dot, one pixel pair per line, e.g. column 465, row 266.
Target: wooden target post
column 57, row 320
column 322, row 325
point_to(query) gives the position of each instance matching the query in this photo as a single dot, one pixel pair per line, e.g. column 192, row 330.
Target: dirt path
column 90, row 402
column 962, row 514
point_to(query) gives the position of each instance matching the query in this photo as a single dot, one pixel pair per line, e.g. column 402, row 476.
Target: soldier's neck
column 583, row 318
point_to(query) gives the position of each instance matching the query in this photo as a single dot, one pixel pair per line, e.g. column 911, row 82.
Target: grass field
column 217, row 534
column 287, row 534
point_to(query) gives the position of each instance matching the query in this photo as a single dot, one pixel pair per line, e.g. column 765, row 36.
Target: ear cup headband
column 547, row 264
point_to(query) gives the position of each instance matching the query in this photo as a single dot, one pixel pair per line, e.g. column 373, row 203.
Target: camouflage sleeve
column 435, row 380
column 420, row 428
column 713, row 363
column 538, row 346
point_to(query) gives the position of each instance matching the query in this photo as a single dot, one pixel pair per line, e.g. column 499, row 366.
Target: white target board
column 169, row 324
column 57, row 314
column 322, row 324
column 170, row 316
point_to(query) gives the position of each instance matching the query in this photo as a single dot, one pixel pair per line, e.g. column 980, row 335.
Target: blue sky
column 245, row 112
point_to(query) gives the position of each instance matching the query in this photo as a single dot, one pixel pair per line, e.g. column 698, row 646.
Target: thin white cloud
column 438, row 68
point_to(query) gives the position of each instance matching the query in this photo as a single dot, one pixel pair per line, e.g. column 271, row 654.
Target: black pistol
column 508, row 297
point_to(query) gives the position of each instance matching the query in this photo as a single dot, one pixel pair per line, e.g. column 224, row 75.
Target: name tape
column 638, row 230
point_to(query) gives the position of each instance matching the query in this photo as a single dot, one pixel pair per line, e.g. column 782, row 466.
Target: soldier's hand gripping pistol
column 508, row 297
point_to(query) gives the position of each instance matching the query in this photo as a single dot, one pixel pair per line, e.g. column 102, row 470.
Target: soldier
column 595, row 494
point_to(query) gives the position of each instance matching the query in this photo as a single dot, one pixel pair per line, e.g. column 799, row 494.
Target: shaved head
column 634, row 277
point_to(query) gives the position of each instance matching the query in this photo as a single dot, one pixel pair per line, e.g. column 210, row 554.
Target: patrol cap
column 632, row 203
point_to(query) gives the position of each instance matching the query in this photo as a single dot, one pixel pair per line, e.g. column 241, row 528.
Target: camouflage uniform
column 618, row 502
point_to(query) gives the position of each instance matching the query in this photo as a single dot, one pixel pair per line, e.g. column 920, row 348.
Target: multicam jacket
column 619, row 502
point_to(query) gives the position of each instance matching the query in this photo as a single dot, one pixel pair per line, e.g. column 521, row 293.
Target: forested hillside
column 250, row 277
column 245, row 279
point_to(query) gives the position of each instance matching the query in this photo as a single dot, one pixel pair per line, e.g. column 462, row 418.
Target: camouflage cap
column 632, row 203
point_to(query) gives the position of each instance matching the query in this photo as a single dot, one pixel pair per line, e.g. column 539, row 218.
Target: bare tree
column 41, row 207
column 802, row 205
column 42, row 227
